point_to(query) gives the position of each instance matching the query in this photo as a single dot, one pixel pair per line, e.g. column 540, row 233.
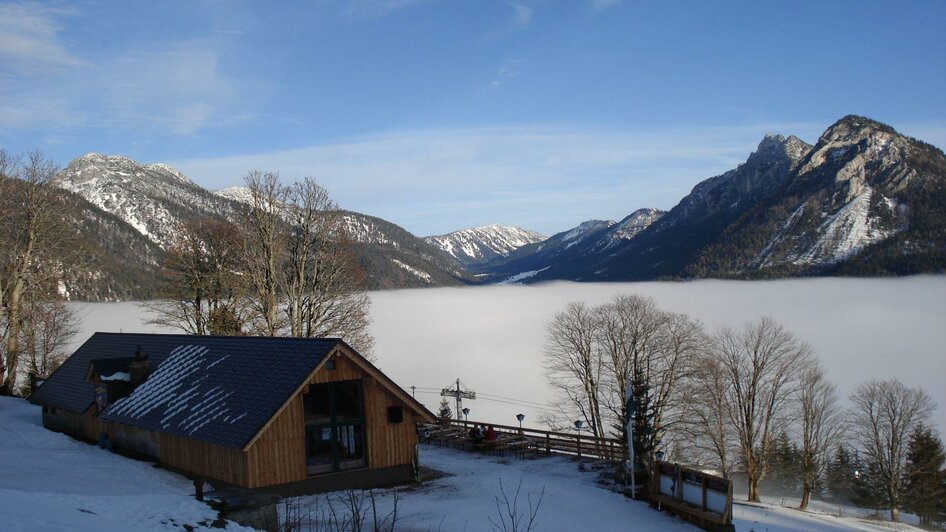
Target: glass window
column 317, row 404
column 334, row 427
column 319, row 450
column 348, row 400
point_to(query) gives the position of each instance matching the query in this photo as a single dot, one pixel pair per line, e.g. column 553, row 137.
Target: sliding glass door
column 334, row 427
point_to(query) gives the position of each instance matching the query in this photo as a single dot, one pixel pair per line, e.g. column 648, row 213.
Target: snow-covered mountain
column 590, row 237
column 152, row 198
column 864, row 200
column 482, row 244
column 238, row 194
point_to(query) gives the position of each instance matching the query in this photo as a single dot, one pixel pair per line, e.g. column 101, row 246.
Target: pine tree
column 642, row 417
column 840, row 476
column 445, row 412
column 868, row 489
column 784, row 474
column 925, row 478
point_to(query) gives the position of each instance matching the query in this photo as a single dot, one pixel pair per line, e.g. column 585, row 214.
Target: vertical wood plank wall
column 278, row 456
column 207, row 459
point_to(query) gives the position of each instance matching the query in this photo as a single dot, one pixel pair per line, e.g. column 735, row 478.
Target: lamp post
column 520, row 417
column 466, row 414
column 578, row 424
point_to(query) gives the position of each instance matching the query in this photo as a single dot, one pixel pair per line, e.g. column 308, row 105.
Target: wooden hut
column 290, row 415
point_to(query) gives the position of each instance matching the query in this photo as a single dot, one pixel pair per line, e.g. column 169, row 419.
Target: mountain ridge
column 863, row 200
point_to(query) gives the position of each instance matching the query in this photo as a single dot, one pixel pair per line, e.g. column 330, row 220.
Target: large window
column 334, row 427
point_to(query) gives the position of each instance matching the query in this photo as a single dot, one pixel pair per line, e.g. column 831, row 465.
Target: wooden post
column 199, row 487
column 679, row 493
column 704, row 493
column 548, row 443
column 579, row 445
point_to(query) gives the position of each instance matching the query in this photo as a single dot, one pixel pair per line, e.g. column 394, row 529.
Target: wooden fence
column 572, row 444
column 698, row 497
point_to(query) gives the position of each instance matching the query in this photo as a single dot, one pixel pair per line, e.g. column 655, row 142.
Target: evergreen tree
column 784, row 475
column 868, row 490
column 925, row 478
column 445, row 411
column 840, row 476
column 642, row 416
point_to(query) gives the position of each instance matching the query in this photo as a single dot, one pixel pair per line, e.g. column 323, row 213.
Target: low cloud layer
column 491, row 338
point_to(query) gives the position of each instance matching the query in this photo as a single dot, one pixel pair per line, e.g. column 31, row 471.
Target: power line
column 487, row 397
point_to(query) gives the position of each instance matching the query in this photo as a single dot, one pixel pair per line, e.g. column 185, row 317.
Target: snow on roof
column 218, row 389
column 117, row 376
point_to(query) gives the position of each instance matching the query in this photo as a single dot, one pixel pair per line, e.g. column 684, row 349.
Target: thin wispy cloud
column 538, row 177
column 371, row 9
column 506, row 73
column 522, row 16
column 30, row 41
column 174, row 87
column 601, row 5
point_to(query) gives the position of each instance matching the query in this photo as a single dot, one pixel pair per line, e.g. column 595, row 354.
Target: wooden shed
column 290, row 415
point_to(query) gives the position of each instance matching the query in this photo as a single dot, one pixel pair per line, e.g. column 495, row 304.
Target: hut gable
column 222, row 390
column 247, row 411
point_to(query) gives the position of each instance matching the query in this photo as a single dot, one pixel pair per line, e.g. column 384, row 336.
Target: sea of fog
column 491, row 337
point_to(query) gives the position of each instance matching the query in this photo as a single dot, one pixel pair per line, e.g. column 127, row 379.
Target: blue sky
column 440, row 115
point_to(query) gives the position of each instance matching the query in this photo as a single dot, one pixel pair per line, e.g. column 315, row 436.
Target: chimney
column 139, row 368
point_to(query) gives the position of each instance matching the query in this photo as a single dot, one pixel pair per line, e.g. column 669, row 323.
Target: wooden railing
column 548, row 442
column 701, row 498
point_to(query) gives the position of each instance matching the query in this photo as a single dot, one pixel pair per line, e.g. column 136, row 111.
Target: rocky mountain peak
column 853, row 129
column 239, row 194
column 778, row 147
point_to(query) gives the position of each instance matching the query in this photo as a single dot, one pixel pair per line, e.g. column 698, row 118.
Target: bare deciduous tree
column 303, row 276
column 35, row 244
column 573, row 365
column 202, row 290
column 883, row 415
column 822, row 425
column 595, row 356
column 650, row 350
column 707, row 428
column 324, row 284
column 264, row 245
column 628, row 333
column 762, row 364
column 51, row 326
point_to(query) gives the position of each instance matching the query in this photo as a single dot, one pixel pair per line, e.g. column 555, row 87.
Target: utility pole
column 459, row 394
column 414, row 392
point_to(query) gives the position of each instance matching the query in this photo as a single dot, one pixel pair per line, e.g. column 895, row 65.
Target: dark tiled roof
column 219, row 389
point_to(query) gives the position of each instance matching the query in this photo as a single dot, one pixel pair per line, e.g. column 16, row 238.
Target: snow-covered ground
column 50, row 482
column 465, row 499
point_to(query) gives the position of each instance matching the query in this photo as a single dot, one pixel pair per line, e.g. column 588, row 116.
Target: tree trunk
column 894, row 513
column 805, row 497
column 753, row 490
column 13, row 337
